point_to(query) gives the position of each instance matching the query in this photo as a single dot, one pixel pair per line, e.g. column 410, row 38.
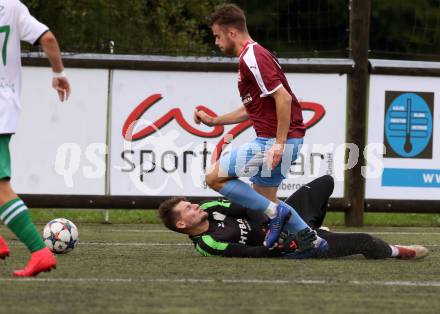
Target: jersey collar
column 249, row 42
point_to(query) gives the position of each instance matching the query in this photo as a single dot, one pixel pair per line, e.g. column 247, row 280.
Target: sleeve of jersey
column 30, row 29
column 208, row 246
column 264, row 70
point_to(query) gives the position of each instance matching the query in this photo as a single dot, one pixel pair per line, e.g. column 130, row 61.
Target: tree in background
column 291, row 28
column 405, row 29
column 299, row 28
column 135, row 26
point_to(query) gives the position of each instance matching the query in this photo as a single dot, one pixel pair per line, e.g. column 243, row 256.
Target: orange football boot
column 4, row 248
column 42, row 260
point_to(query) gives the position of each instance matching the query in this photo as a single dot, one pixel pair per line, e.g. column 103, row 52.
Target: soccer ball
column 60, row 235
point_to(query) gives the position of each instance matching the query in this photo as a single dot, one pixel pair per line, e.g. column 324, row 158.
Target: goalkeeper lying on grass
column 219, row 228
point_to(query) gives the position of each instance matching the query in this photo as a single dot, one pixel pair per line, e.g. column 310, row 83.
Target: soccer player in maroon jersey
column 277, row 119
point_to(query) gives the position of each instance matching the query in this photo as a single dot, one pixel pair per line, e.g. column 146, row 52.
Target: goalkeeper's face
column 190, row 215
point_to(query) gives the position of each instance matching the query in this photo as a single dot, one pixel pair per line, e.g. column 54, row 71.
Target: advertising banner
column 404, row 119
column 157, row 149
column 60, row 148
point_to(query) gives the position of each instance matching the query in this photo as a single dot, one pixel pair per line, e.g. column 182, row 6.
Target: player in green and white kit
column 16, row 25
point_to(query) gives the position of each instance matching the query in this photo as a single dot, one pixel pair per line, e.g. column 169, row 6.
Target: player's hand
column 62, row 86
column 301, row 241
column 274, row 155
column 304, row 239
column 286, row 244
column 202, row 117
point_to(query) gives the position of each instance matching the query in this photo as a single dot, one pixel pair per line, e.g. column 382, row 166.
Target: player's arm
column 32, row 31
column 60, row 83
column 208, row 246
column 283, row 103
column 233, row 117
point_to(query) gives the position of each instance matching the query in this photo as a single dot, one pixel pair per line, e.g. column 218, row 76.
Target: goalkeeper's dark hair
column 168, row 215
column 229, row 15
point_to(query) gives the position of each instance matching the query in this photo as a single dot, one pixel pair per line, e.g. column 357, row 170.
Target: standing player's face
column 190, row 214
column 223, row 39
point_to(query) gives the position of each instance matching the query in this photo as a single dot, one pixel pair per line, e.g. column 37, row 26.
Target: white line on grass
column 172, row 244
column 342, row 231
column 134, row 244
column 169, row 244
column 228, row 281
column 139, row 231
column 17, row 243
column 399, row 233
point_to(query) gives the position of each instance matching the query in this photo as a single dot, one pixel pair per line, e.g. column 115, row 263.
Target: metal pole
column 357, row 108
column 108, row 135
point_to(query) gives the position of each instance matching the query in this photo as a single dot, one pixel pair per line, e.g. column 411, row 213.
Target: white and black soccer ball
column 60, row 235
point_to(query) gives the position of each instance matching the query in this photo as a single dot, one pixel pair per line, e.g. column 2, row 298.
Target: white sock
column 271, row 210
column 394, row 251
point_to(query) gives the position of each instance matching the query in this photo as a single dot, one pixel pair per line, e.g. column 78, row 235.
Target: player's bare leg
column 6, row 192
column 217, row 179
column 14, row 214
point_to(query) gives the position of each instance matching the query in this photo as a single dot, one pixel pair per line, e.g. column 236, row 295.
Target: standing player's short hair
column 167, row 214
column 229, row 15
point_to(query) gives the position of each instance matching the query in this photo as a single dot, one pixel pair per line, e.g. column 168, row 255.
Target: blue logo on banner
column 408, row 125
column 426, row 178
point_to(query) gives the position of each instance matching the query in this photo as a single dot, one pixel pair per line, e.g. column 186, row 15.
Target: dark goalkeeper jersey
column 234, row 231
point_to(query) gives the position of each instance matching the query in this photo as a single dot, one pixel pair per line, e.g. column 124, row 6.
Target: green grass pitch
column 143, row 268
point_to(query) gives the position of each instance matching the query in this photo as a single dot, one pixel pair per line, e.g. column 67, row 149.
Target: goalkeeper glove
column 301, row 241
